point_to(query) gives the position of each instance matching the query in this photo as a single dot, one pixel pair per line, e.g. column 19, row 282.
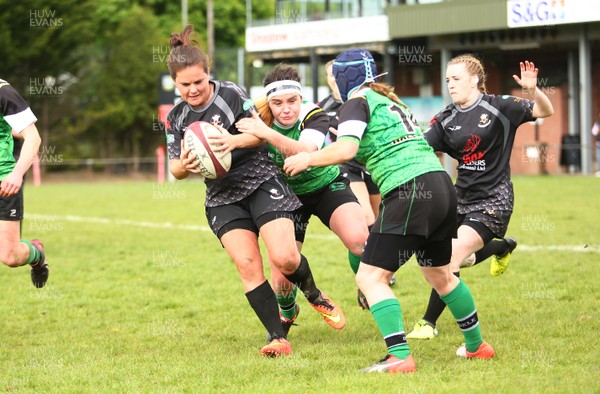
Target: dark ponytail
column 185, row 52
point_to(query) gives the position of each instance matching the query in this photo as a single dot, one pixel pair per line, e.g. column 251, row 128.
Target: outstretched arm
column 287, row 146
column 227, row 142
column 528, row 81
column 340, row 151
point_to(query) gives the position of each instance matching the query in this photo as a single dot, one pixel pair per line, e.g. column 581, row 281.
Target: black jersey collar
column 470, row 107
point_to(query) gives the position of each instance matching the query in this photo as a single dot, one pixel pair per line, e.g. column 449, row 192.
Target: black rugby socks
column 495, row 247
column 303, row 278
column 262, row 300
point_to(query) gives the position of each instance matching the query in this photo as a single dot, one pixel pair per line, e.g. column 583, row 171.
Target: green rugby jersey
column 14, row 115
column 312, row 125
column 391, row 144
column 7, row 160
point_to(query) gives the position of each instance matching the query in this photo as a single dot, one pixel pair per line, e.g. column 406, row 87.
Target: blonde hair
column 265, row 113
column 474, row 68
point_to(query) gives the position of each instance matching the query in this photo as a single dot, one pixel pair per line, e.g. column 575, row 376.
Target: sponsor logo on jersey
column 337, row 186
column 471, row 150
column 279, row 160
column 477, row 165
column 484, row 120
column 472, row 144
column 405, row 138
column 248, row 104
column 454, row 128
column 276, row 194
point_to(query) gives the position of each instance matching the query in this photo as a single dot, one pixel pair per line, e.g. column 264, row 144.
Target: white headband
column 278, row 88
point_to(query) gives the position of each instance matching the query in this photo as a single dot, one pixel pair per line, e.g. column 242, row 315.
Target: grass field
column 142, row 298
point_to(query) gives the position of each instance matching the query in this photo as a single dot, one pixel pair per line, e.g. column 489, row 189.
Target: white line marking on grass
column 135, row 223
column 122, row 222
column 559, row 248
column 196, row 227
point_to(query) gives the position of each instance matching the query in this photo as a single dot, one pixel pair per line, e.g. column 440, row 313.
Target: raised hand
column 528, row 78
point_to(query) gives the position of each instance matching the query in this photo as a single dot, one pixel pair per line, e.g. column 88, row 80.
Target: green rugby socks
column 287, row 303
column 34, row 253
column 461, row 304
column 388, row 316
column 354, row 261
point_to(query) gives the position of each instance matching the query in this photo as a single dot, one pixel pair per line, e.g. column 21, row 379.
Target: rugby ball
column 212, row 166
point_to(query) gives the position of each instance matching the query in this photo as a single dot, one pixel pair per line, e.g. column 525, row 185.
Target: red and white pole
column 160, row 160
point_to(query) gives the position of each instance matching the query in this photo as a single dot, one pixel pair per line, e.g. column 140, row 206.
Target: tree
column 121, row 110
column 38, row 39
column 103, row 60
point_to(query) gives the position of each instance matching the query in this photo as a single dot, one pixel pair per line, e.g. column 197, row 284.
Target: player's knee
column 356, row 242
column 362, row 279
column 455, row 264
column 357, row 246
column 443, row 283
column 248, row 267
column 285, row 259
column 365, row 278
column 358, row 279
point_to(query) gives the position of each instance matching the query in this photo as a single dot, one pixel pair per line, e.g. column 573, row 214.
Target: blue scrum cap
column 352, row 69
